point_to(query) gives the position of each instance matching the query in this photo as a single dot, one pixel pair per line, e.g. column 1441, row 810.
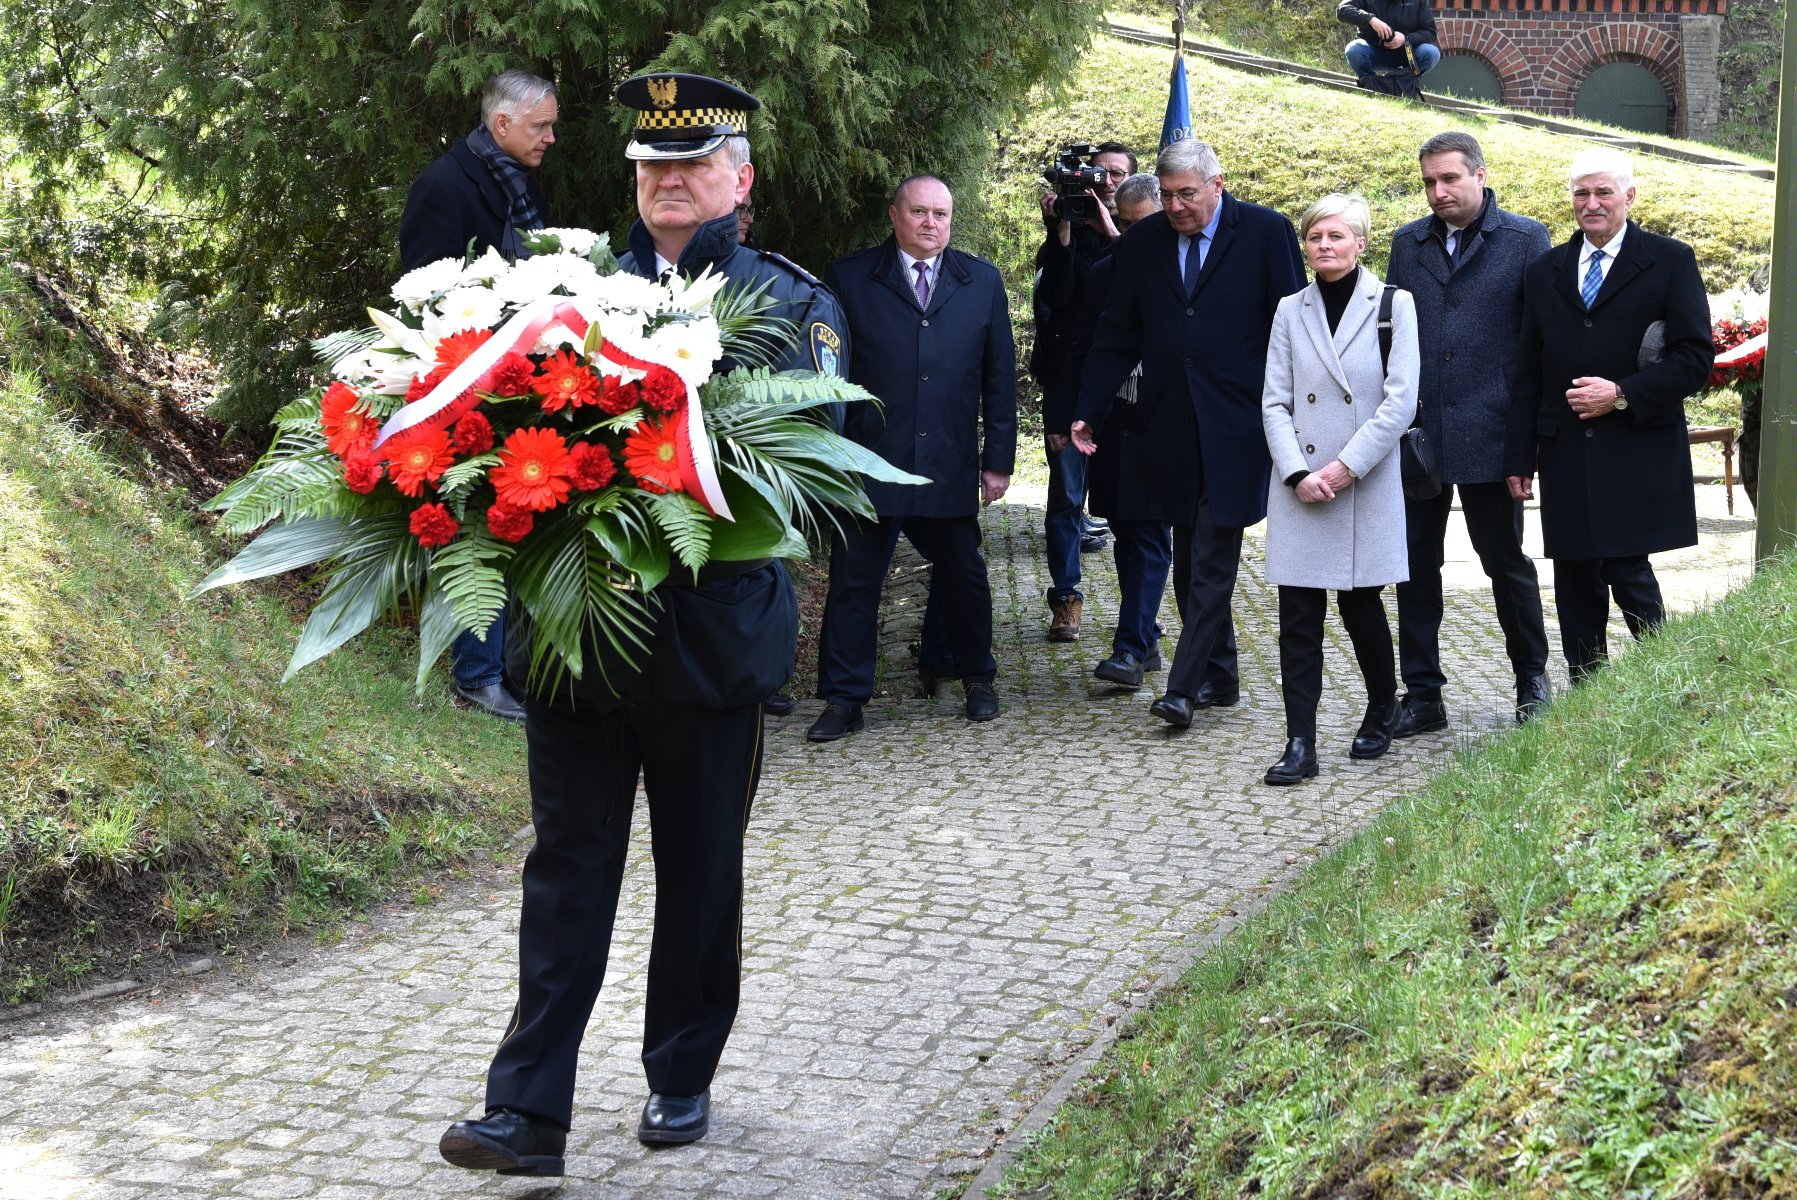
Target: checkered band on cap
column 713, row 119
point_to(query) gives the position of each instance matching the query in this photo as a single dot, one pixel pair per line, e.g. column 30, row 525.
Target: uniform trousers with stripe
column 699, row 769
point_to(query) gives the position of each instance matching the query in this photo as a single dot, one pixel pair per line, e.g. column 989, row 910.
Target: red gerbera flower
column 563, row 381
column 532, row 471
column 509, row 524
column 417, row 457
column 362, row 470
column 433, row 526
column 619, row 397
column 589, row 466
column 458, row 346
column 663, row 390
column 473, row 434
column 511, row 376
column 651, row 455
column 345, row 421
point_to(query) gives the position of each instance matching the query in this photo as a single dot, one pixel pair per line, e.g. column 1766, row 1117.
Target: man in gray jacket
column 1464, row 266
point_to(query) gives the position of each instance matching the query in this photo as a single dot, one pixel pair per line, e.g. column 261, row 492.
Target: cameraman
column 1386, row 28
column 1063, row 265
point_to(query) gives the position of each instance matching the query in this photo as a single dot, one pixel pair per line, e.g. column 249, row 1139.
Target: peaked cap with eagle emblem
column 683, row 116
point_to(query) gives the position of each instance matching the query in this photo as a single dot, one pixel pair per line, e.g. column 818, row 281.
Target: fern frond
column 466, row 472
column 470, row 571
column 686, row 525
column 333, row 348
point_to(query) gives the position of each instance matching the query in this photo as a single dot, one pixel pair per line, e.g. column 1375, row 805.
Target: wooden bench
column 1726, row 435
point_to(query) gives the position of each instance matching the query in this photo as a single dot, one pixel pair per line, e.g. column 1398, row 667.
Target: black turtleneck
column 1337, row 293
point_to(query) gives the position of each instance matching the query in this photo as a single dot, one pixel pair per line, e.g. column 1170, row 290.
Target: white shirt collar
column 662, row 265
column 1610, row 248
column 911, row 263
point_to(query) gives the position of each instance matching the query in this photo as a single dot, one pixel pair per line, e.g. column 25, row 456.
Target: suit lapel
column 1220, row 245
column 1566, row 274
column 1634, row 259
column 948, row 281
column 1431, row 255
column 1169, row 257
column 1316, row 324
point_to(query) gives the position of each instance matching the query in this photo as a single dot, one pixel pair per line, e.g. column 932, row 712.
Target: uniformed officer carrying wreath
column 690, row 724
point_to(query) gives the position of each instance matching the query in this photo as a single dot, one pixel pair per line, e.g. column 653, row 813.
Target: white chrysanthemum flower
column 688, row 348
column 573, row 241
column 469, row 308
column 538, row 276
column 626, row 293
column 484, row 270
column 419, row 287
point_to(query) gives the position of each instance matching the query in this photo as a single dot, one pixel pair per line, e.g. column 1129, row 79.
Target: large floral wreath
column 551, row 430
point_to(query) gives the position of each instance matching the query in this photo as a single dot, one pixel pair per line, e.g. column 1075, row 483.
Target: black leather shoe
column 1419, row 716
column 1211, row 696
column 1152, row 663
column 780, row 704
column 506, row 1141
column 982, row 702
column 1298, row 763
column 1092, row 543
column 493, row 699
column 1174, row 709
column 1122, row 668
column 837, row 720
column 1373, row 738
column 674, row 1120
column 1532, row 692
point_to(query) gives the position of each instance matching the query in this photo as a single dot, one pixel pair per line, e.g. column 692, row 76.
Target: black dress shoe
column 1211, row 696
column 1373, row 738
column 1152, row 663
column 1419, row 716
column 493, row 699
column 1532, row 692
column 1122, row 668
column 837, row 720
column 1298, row 763
column 1091, row 543
column 1174, row 709
column 506, row 1141
column 982, row 702
column 674, row 1120
column 780, row 704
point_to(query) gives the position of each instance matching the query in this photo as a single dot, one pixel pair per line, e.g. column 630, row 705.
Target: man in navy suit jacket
column 1192, row 299
column 931, row 329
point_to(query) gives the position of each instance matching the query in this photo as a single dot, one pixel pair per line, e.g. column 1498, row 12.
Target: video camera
column 1071, row 178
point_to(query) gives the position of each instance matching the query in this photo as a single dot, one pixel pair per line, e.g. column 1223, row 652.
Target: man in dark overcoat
column 685, row 719
column 1192, row 297
column 932, row 333
column 1600, row 417
column 1464, row 266
column 477, row 195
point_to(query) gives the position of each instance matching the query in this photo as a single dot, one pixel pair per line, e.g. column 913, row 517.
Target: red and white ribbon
column 1746, row 352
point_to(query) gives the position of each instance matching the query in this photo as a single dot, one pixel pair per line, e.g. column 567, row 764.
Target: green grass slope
column 165, row 792
column 1283, row 144
column 1566, row 967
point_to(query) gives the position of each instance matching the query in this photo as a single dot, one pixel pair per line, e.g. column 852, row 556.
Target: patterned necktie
column 1594, row 279
column 1191, row 272
column 923, row 283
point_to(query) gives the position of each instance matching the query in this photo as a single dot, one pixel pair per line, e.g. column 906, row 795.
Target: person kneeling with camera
column 1397, row 43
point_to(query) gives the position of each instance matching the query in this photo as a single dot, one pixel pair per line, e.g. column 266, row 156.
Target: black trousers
column 1301, row 612
column 699, row 768
column 1582, row 591
column 1494, row 523
column 1206, row 556
column 958, row 616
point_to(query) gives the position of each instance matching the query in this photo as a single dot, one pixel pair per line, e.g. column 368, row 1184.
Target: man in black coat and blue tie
column 931, row 327
column 1192, row 299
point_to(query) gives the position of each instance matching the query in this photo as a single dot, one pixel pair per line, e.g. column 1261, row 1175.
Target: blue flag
column 1178, row 125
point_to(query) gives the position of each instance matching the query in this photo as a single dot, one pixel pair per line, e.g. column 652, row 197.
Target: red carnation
column 433, row 526
column 473, row 434
column 619, row 396
column 422, row 385
column 511, row 376
column 510, row 524
column 564, row 382
column 590, row 467
column 663, row 390
column 362, row 470
column 458, row 346
column 345, row 420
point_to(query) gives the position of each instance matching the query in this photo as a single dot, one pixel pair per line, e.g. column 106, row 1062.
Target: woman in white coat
column 1335, row 517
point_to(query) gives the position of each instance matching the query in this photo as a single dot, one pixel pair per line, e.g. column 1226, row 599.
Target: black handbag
column 1419, row 459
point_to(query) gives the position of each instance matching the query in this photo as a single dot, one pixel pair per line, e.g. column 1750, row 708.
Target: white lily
column 398, row 335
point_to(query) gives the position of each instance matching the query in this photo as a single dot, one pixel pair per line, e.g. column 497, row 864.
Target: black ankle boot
column 1374, row 736
column 1297, row 764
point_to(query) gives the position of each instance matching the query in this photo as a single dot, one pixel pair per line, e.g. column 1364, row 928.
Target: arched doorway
column 1625, row 94
column 1467, row 76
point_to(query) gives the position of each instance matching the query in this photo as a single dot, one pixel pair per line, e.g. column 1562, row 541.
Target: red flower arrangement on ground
column 1729, row 333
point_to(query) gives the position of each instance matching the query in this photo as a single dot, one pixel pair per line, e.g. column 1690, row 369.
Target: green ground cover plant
column 1563, row 968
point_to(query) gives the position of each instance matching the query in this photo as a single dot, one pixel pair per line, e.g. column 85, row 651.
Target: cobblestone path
column 940, row 915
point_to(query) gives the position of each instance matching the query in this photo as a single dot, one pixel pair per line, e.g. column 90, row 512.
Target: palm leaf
column 751, row 335
column 569, row 586
column 438, row 628
column 382, row 562
column 298, row 543
column 333, row 348
column 630, row 538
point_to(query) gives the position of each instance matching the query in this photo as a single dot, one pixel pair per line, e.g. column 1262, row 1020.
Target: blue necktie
column 1594, row 279
column 1191, row 274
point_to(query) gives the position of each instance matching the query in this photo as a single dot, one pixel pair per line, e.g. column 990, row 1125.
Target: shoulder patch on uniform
column 826, row 348
column 790, row 265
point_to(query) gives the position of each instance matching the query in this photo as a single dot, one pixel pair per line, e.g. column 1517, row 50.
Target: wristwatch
column 1622, row 401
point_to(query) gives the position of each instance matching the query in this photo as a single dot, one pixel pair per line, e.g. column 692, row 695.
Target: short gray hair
column 736, row 149
column 1601, row 160
column 1138, row 188
column 513, row 93
column 1187, row 155
column 1454, row 142
column 1351, row 207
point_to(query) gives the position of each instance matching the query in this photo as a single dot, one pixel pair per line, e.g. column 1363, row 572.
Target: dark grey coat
column 1467, row 323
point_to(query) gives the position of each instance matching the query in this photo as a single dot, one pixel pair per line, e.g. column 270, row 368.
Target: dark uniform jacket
column 939, row 375
column 1415, row 19
column 1195, row 429
column 453, row 202
column 1061, row 282
column 1617, row 485
column 1467, row 322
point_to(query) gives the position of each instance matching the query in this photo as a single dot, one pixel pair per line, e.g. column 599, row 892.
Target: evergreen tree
column 254, row 155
